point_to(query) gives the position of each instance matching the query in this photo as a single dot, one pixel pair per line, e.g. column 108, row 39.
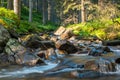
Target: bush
column 8, row 18
column 104, row 30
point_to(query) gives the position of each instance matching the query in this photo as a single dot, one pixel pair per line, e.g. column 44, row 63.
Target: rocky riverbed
column 57, row 55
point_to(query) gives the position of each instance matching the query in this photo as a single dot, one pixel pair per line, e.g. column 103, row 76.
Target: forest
column 59, row 39
column 86, row 17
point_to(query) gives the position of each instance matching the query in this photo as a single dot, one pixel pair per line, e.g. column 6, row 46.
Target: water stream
column 36, row 73
column 16, row 71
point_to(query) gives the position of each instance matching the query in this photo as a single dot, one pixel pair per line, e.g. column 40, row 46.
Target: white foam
column 28, row 70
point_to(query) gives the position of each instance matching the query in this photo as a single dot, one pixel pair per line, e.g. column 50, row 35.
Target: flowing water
column 37, row 72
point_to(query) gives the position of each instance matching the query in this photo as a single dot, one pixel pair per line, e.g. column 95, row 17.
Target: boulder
column 111, row 43
column 18, row 54
column 60, row 53
column 66, row 35
column 4, row 60
column 34, row 41
column 4, row 37
column 91, row 65
column 46, row 44
column 60, row 30
column 54, row 38
column 117, row 60
column 96, row 52
column 66, row 46
column 41, row 54
column 51, row 55
column 106, row 65
column 101, row 65
column 31, row 41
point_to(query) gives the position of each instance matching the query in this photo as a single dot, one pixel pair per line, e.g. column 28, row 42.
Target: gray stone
column 18, row 54
column 4, row 37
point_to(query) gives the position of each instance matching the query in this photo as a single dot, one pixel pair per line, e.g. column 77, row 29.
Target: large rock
column 51, row 55
column 34, row 41
column 60, row 30
column 4, row 37
column 111, row 43
column 63, row 33
column 101, row 65
column 31, row 40
column 18, row 54
column 66, row 46
column 4, row 60
column 66, row 35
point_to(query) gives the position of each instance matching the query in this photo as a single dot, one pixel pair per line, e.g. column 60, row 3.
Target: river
column 16, row 72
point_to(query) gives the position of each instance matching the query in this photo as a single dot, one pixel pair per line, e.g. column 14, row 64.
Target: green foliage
column 8, row 18
column 37, row 17
column 26, row 27
column 104, row 30
column 33, row 27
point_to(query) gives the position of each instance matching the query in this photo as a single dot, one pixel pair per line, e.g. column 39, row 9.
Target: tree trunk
column 40, row 6
column 37, row 8
column 2, row 3
column 49, row 10
column 44, row 12
column 79, row 13
column 30, row 10
column 17, row 7
column 10, row 4
column 26, row 3
column 82, row 11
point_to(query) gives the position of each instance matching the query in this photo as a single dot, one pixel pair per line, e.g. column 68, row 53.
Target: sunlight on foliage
column 104, row 30
column 8, row 18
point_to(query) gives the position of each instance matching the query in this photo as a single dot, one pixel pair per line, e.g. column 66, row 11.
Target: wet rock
column 4, row 37
column 92, row 65
column 34, row 41
column 117, row 60
column 107, row 49
column 101, row 65
column 18, row 54
column 13, row 46
column 66, row 45
column 111, row 43
column 106, row 65
column 60, row 30
column 46, row 44
column 96, row 52
column 60, row 53
column 50, row 54
column 86, row 74
column 31, row 41
column 54, row 38
column 30, row 59
column 4, row 60
column 41, row 54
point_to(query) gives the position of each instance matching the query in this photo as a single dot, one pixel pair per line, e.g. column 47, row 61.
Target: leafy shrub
column 104, row 30
column 8, row 18
column 27, row 27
